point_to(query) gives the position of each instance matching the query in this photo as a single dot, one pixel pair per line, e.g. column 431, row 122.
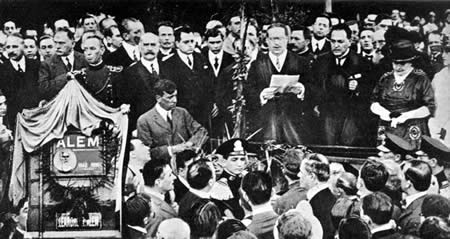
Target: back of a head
column 347, row 183
column 152, row 170
column 292, row 160
column 419, row 174
column 374, row 175
column 318, row 165
column 435, row 228
column 258, row 187
column 378, row 206
column 199, row 174
column 436, row 205
column 204, row 219
column 137, row 208
column 173, row 228
column 344, row 207
column 242, row 235
column 228, row 227
column 292, row 225
column 354, row 228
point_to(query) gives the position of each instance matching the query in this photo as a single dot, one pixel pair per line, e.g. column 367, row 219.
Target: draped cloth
column 73, row 106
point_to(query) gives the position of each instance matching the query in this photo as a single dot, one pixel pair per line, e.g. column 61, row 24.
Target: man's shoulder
column 147, row 114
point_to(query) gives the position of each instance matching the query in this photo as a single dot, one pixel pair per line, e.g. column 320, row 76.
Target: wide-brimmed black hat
column 403, row 53
column 435, row 149
column 396, row 145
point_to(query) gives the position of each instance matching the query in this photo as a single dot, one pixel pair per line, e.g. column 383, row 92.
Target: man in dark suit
column 168, row 129
column 53, row 72
column 257, row 188
column 190, row 72
column 128, row 53
column 158, row 180
column 201, row 178
column 319, row 44
column 18, row 77
column 166, row 40
column 343, row 78
column 314, row 174
column 141, row 78
column 281, row 111
column 300, row 41
column 218, row 60
column 415, row 183
column 378, row 208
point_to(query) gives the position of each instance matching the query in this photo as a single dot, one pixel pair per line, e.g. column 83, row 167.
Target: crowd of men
column 179, row 89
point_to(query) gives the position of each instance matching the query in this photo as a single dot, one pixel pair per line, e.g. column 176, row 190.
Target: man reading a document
column 279, row 92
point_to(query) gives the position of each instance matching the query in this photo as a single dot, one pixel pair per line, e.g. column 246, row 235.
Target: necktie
column 19, row 69
column 216, row 63
column 317, row 48
column 153, row 69
column 169, row 120
column 136, row 58
column 278, row 64
column 68, row 65
column 189, row 62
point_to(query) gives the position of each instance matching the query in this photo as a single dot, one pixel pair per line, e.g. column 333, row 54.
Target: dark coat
column 290, row 199
column 262, row 225
column 187, row 203
column 325, row 49
column 227, row 59
column 387, row 234
column 155, row 132
column 409, row 220
column 337, row 100
column 193, row 86
column 20, row 89
column 286, row 110
column 52, row 74
column 321, row 204
column 119, row 57
column 138, row 90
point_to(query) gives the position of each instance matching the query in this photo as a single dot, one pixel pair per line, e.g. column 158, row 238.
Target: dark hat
column 403, row 53
column 235, row 146
column 395, row 34
column 435, row 148
column 396, row 145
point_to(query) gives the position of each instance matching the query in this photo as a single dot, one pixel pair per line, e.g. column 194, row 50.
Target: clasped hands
column 182, row 147
column 398, row 119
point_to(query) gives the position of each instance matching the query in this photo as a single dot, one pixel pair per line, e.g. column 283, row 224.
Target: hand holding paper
column 284, row 82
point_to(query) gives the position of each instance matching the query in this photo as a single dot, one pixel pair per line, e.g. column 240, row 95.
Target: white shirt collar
column 281, row 58
column 148, row 64
column 18, row 63
column 70, row 58
column 163, row 112
column 315, row 190
column 185, row 57
column 138, row 228
column 131, row 50
column 388, row 226
column 314, row 43
column 212, row 60
column 267, row 207
column 164, row 51
column 411, row 198
column 200, row 194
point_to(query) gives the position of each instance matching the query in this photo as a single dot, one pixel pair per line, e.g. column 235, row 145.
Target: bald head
column 149, row 46
column 173, row 228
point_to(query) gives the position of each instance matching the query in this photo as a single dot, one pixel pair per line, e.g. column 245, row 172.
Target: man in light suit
column 141, row 78
column 415, row 183
column 158, row 179
column 168, row 129
column 53, row 72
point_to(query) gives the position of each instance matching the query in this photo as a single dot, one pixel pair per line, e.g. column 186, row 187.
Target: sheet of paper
column 281, row 82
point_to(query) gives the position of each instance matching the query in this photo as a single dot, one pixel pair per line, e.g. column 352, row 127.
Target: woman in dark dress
column 404, row 98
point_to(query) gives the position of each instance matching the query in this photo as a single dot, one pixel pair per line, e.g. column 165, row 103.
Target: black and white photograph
column 224, row 119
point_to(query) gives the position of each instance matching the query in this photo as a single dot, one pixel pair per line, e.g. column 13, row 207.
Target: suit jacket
column 52, row 74
column 322, row 203
column 194, row 86
column 227, row 59
column 20, row 89
column 262, row 224
column 284, row 105
column 180, row 189
column 325, row 49
column 162, row 212
column 186, row 205
column 387, row 234
column 290, row 199
column 119, row 57
column 409, row 220
column 138, row 90
column 155, row 132
column 162, row 56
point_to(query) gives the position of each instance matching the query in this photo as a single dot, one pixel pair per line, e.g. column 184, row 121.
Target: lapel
column 163, row 206
column 266, row 69
column 416, row 204
column 158, row 119
column 57, row 62
column 183, row 65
